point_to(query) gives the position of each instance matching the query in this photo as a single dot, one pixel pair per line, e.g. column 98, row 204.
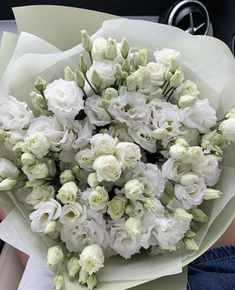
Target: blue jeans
column 214, row 270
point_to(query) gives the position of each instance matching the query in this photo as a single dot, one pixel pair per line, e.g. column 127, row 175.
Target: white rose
column 98, row 198
column 127, row 153
column 8, row 169
column 227, row 128
column 105, row 70
column 96, row 115
column 85, row 158
column 44, row 213
column 208, row 167
column 173, row 169
column 165, row 55
column 92, row 258
column 37, row 144
column 64, row 98
column 68, row 192
column 71, row 213
column 36, row 171
column 98, row 48
column 200, row 116
column 14, row 115
column 39, row 194
column 189, row 88
column 107, row 168
column 103, row 144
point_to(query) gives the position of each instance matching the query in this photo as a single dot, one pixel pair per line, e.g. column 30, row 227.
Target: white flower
column 133, row 226
column 37, row 144
column 39, row 194
column 119, row 132
column 128, row 106
column 190, row 195
column 98, row 198
column 96, row 115
column 116, row 207
column 227, row 128
column 105, row 70
column 92, row 258
column 14, row 115
column 64, row 98
column 72, row 213
column 207, row 166
column 200, row 116
column 165, row 55
column 141, row 134
column 44, row 213
column 8, row 169
column 157, row 72
column 173, row 169
column 85, row 158
column 127, row 153
column 107, row 168
column 186, row 101
column 36, row 171
column 98, row 48
column 134, row 189
column 178, row 152
column 68, row 192
column 54, row 255
column 189, row 88
column 103, row 144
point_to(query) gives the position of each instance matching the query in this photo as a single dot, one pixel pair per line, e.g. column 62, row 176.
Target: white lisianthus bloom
column 200, row 116
column 92, row 258
column 103, row 144
column 37, row 144
column 64, row 98
column 105, row 70
column 98, row 48
column 72, row 213
column 14, row 115
column 134, row 189
column 54, row 255
column 227, row 128
column 188, row 88
column 165, row 55
column 141, row 134
column 157, row 72
column 39, row 194
column 107, row 167
column 190, row 195
column 44, row 213
column 95, row 113
column 173, row 169
column 36, row 171
column 116, row 207
column 85, row 159
column 127, row 153
column 98, row 198
column 178, row 152
column 68, row 192
column 8, row 169
column 208, row 167
column 48, row 127
column 128, row 106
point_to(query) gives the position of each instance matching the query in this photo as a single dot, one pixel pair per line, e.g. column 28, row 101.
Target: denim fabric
column 214, row 270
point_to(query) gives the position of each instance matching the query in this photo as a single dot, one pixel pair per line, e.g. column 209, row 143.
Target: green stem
column 90, row 55
column 93, row 89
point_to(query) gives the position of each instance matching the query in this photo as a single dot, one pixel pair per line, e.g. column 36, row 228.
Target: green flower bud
column 149, row 205
column 134, row 189
column 116, row 207
column 69, row 75
column 159, row 133
column 131, row 83
column 181, row 141
column 133, row 225
column 96, row 79
column 51, row 167
column 40, row 84
column 51, row 228
column 199, row 215
column 104, row 104
column 73, row 267
column 178, row 152
column 82, row 64
column 83, row 276
column 54, row 255
column 210, row 193
column 92, row 180
column 28, row 158
column 180, row 213
column 168, row 247
column 86, row 41
column 39, row 102
column 58, row 283
column 168, row 75
column 35, row 183
column 176, row 79
column 92, row 281
column 124, row 48
column 155, row 95
column 126, row 65
column 66, row 176
column 7, row 184
column 173, row 65
column 118, row 72
column 80, row 80
column 3, row 135
column 109, row 93
column 190, row 244
column 194, row 153
column 140, row 58
column 111, row 49
column 76, row 170
column 231, row 113
column 187, row 101
column 129, row 210
column 190, row 234
column 189, row 179
column 68, row 192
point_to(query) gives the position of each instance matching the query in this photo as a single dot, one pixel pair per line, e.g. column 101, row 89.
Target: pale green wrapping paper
column 33, row 56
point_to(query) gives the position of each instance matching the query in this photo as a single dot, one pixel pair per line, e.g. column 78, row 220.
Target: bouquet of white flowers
column 114, row 154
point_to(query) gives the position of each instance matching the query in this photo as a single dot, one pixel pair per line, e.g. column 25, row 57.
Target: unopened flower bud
column 129, row 210
column 35, row 183
column 69, row 75
column 54, row 255
column 83, row 276
column 118, row 72
column 7, row 184
column 190, row 244
column 189, row 179
column 3, row 135
column 178, row 152
column 168, row 75
column 131, row 83
column 227, row 128
column 134, row 189
column 133, row 225
column 110, row 93
column 58, row 283
column 116, row 207
column 66, row 176
column 96, row 79
column 38, row 101
column 168, row 247
column 231, row 113
column 40, row 84
column 176, row 79
column 182, row 142
column 180, row 213
column 149, row 205
column 82, row 64
column 86, row 41
column 92, row 180
column 124, row 48
column 159, row 133
column 92, row 281
column 210, row 193
column 28, row 158
column 79, row 78
column 104, row 104
column 51, row 228
column 186, row 101
column 140, row 58
column 76, row 170
column 173, row 65
column 194, row 153
column 199, row 215
column 155, row 95
column 73, row 267
column 190, row 234
column 111, row 49
column 126, row 65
